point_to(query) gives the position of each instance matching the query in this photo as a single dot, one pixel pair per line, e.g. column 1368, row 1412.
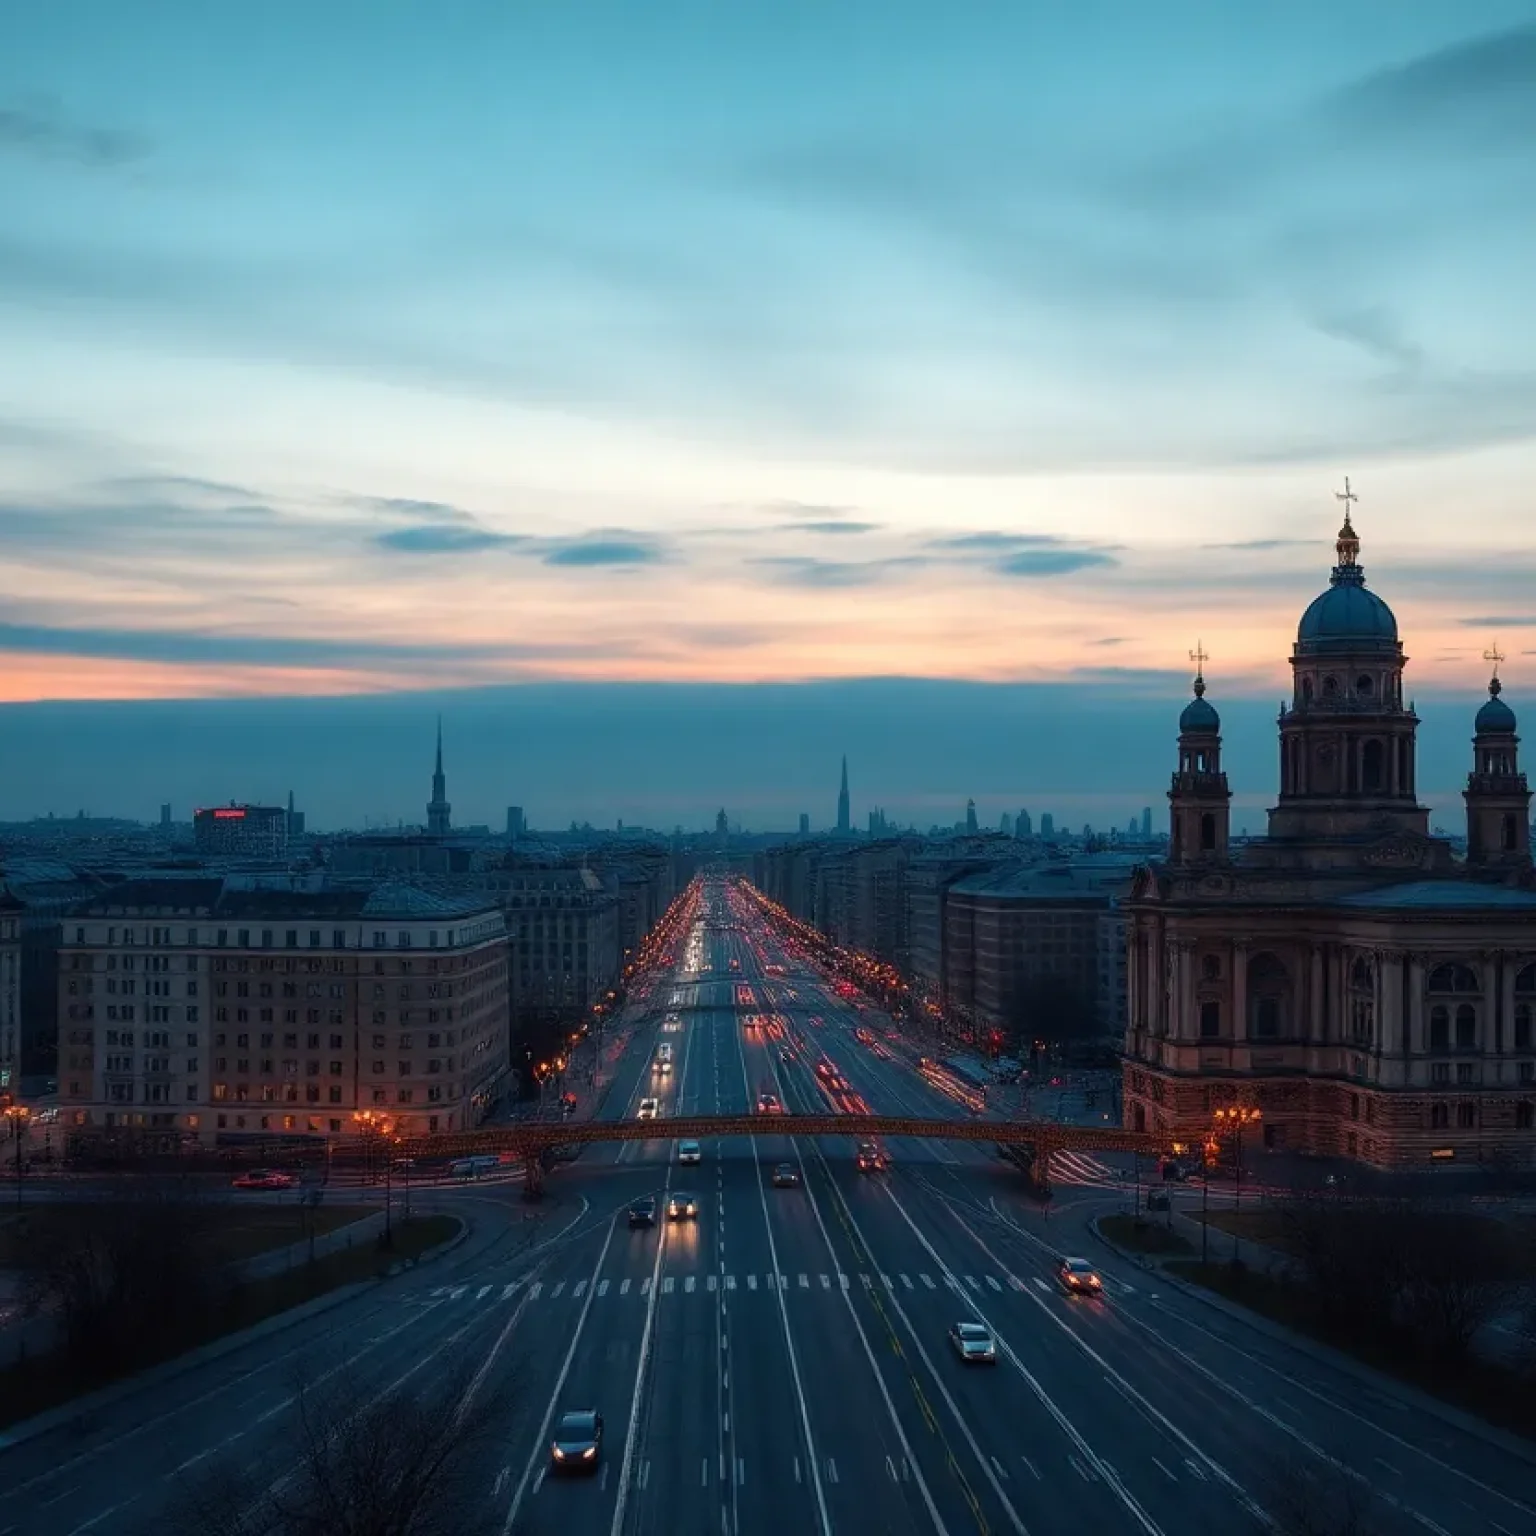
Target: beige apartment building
column 211, row 1010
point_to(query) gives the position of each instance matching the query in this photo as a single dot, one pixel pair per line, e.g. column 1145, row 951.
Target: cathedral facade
column 1347, row 985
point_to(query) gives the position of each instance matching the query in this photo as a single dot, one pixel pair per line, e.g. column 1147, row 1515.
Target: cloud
column 1499, row 621
column 599, row 550
column 1052, row 562
column 805, row 571
column 995, row 541
column 1111, row 640
column 1377, row 332
column 44, row 133
column 195, row 647
column 1261, row 544
column 813, row 510
column 445, row 539
column 416, row 511
column 831, row 527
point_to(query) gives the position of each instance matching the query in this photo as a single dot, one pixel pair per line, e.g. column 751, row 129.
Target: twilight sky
column 354, row 348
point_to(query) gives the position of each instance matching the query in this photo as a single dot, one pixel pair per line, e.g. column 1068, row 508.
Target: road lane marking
column 645, row 1286
column 730, row 1282
column 906, row 1282
column 751, row 1282
column 993, row 1283
column 456, row 1292
column 556, row 1288
column 602, row 1287
column 688, row 1284
column 709, row 1282
column 1034, row 1471
column 535, row 1290
column 506, row 1291
column 805, row 1283
column 928, row 1281
column 482, row 1293
column 831, row 1470
column 623, row 1287
column 1041, row 1283
column 1167, row 1472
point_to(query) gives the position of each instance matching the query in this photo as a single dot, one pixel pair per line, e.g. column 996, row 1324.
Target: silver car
column 973, row 1343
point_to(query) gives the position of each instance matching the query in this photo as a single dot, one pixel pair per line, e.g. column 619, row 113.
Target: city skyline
column 759, row 381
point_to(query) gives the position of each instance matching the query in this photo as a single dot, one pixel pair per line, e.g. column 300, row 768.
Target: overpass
column 531, row 1142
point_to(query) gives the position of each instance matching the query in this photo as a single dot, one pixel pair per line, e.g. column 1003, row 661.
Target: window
column 1466, row 1073
column 1466, row 1115
column 1440, row 1073
column 1210, row 1022
column 1522, row 1026
column 1525, row 1115
column 1466, row 1027
column 1439, row 1116
column 1439, row 1028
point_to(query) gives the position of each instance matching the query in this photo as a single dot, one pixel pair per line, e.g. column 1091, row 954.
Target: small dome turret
column 1495, row 718
column 1199, row 714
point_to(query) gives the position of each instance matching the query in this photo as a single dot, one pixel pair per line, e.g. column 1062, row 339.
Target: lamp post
column 17, row 1114
column 1235, row 1117
column 375, row 1127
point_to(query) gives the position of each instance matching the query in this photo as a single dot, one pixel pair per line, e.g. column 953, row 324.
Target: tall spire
column 843, row 824
column 438, row 809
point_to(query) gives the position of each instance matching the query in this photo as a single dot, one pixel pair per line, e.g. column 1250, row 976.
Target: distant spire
column 843, row 824
column 438, row 770
column 438, row 809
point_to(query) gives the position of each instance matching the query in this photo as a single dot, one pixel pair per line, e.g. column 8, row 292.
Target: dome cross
column 1494, row 656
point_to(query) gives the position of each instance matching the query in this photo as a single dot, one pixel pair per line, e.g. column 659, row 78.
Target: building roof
column 1199, row 714
column 393, row 901
column 1429, row 895
column 1047, row 882
column 1347, row 612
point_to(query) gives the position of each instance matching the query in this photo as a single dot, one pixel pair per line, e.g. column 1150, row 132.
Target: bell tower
column 1199, row 801
column 1347, row 758
column 1498, row 801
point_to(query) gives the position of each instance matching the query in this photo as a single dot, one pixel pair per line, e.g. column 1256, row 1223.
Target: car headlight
column 589, row 1453
column 559, row 1454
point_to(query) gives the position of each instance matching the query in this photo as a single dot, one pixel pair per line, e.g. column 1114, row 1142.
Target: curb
column 168, row 1370
column 443, row 1249
column 1324, row 1354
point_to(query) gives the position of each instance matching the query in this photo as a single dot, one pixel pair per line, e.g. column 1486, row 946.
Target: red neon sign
column 234, row 813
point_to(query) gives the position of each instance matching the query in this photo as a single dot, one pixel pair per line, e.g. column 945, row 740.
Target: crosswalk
column 1079, row 1168
column 711, row 1283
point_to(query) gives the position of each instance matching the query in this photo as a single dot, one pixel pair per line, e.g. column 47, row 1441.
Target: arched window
column 1269, row 992
column 1439, row 1116
column 1525, row 1115
column 1364, row 685
column 1330, row 687
column 1466, row 1027
column 1439, row 1028
column 1207, row 833
column 1371, row 776
column 1453, row 978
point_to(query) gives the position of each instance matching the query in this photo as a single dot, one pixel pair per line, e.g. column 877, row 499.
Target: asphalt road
column 779, row 1365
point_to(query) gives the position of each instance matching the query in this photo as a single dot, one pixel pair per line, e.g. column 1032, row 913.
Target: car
column 642, row 1212
column 869, row 1158
column 662, row 1067
column 264, row 1178
column 577, row 1445
column 973, row 1343
column 649, row 1109
column 786, row 1055
column 1078, row 1278
column 768, row 1104
column 786, row 1176
column 1157, row 1199
column 681, row 1206
column 689, row 1152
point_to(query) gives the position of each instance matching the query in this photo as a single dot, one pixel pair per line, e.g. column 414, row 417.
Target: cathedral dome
column 1347, row 611
column 1495, row 718
column 1198, row 714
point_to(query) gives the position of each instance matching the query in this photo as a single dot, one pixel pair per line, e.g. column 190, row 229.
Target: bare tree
column 129, row 1278
column 353, row 1462
column 1305, row 1497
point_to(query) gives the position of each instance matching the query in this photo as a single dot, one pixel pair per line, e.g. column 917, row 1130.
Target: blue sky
column 365, row 347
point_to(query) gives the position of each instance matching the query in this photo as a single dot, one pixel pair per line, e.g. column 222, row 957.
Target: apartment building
column 207, row 1010
column 10, row 991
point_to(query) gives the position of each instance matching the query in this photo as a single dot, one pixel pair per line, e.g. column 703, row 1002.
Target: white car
column 649, row 1109
column 688, row 1152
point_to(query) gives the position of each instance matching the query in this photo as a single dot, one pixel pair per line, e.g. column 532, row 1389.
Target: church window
column 1207, row 833
column 1371, row 776
column 1466, row 1027
column 1439, row 1028
column 1364, row 686
column 1210, row 1020
column 1507, row 837
column 1466, row 1115
column 1454, row 978
column 1330, row 687
column 1269, row 986
column 1306, row 690
column 1525, row 1115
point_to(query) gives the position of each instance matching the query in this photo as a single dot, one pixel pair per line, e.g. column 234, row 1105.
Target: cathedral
column 1345, row 985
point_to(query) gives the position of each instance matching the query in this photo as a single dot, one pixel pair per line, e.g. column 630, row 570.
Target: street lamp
column 17, row 1114
column 375, row 1125
column 1235, row 1117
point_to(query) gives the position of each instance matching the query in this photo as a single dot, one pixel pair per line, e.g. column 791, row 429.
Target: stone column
column 1416, row 1044
column 1239, row 991
column 1506, row 1035
column 1317, row 1029
column 1389, row 1003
